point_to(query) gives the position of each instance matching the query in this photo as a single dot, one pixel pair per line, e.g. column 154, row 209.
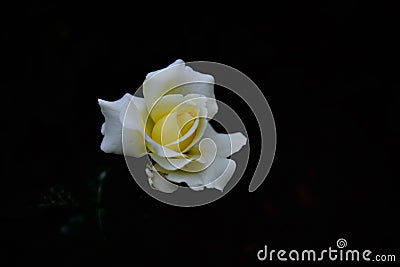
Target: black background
column 328, row 70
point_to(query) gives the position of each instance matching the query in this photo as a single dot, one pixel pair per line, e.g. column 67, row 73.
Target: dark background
column 328, row 70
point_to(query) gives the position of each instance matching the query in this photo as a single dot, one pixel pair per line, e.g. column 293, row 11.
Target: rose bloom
column 171, row 125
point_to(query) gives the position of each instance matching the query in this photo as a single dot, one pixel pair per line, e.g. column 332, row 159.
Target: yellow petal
column 165, row 105
column 166, row 130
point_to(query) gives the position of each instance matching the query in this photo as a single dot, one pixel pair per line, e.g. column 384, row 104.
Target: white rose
column 170, row 124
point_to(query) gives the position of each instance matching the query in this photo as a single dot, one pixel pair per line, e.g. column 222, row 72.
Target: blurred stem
column 100, row 209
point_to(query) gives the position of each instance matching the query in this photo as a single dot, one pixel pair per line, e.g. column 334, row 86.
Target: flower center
column 170, row 130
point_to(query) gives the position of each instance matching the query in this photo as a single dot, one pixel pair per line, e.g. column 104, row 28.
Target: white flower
column 170, row 124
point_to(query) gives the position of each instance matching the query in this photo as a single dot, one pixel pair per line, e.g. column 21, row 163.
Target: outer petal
column 158, row 182
column 112, row 127
column 176, row 79
column 172, row 164
column 135, row 116
column 209, row 103
column 133, row 143
column 227, row 144
column 161, row 150
column 217, row 175
column 135, row 121
column 207, row 153
column 227, row 165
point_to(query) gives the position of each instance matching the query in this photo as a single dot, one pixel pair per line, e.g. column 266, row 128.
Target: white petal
column 217, row 175
column 136, row 115
column 158, row 182
column 201, row 128
column 133, row 143
column 134, row 124
column 212, row 107
column 227, row 144
column 227, row 165
column 195, row 100
column 172, row 163
column 207, row 151
column 112, row 127
column 196, row 160
column 172, row 80
column 176, row 62
column 165, row 105
column 208, row 102
column 160, row 150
